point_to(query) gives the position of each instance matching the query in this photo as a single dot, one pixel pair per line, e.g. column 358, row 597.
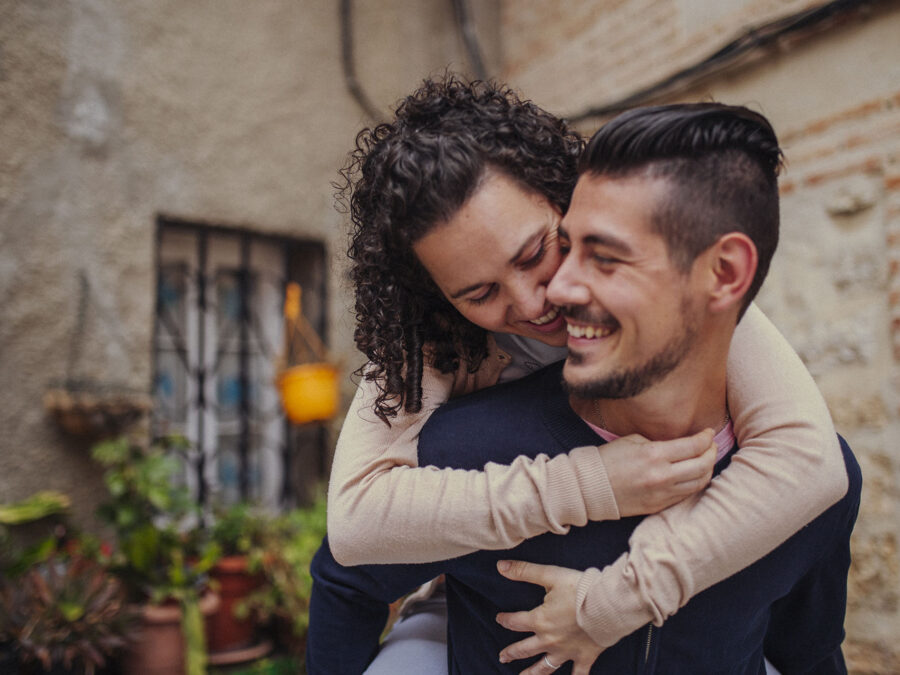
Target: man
column 669, row 235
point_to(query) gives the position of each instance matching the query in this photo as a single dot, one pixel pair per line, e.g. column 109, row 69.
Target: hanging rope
column 308, row 382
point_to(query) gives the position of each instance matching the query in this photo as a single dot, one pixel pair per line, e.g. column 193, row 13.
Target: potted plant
column 290, row 542
column 239, row 530
column 60, row 609
column 36, row 507
column 65, row 614
column 162, row 555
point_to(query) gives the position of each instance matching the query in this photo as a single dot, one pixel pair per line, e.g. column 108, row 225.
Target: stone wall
column 576, row 54
column 236, row 114
column 831, row 291
column 834, row 287
column 217, row 111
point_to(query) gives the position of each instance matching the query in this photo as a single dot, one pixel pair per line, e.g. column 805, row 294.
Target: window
column 217, row 342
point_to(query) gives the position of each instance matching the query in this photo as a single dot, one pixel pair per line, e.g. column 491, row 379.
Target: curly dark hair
column 405, row 177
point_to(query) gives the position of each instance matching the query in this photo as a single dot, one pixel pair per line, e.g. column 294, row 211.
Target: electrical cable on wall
column 740, row 50
column 464, row 25
column 353, row 85
column 470, row 39
column 750, row 43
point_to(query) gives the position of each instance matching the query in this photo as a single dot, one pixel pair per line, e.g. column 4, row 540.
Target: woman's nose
column 528, row 299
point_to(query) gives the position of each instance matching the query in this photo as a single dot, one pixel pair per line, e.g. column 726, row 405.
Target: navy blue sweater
column 789, row 604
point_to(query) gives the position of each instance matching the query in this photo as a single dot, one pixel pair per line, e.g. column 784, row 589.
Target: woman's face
column 494, row 259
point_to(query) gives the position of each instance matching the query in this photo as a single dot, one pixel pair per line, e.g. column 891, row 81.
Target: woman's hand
column 649, row 476
column 557, row 635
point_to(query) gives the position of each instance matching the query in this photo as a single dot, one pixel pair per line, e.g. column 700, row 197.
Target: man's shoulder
column 835, row 525
column 837, row 521
column 546, row 382
column 854, row 477
column 481, row 425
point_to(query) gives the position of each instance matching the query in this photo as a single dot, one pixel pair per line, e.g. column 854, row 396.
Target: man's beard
column 633, row 381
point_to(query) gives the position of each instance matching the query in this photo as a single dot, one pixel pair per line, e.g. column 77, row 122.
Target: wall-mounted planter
column 96, row 414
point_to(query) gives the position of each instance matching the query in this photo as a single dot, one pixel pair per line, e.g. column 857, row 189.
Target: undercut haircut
column 720, row 164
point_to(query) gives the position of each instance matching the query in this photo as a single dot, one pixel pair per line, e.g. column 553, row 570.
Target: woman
column 427, row 339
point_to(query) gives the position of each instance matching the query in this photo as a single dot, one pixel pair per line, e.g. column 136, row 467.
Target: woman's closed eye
column 483, row 295
column 538, row 255
column 535, row 258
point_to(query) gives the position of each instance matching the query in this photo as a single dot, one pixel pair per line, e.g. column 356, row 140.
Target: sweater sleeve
column 383, row 508
column 789, row 469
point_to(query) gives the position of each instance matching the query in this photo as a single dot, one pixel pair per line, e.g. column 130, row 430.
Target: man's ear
column 733, row 259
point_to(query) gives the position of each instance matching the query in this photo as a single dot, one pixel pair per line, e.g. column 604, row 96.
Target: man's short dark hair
column 721, row 164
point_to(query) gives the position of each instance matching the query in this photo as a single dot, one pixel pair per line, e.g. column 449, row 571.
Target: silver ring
column 547, row 661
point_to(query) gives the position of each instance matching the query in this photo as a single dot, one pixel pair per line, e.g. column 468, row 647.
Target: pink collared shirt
column 724, row 439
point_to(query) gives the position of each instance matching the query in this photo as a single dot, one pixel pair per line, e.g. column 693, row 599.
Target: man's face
column 632, row 315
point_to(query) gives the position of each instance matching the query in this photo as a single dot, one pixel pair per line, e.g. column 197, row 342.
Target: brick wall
column 834, row 286
column 581, row 53
column 834, row 291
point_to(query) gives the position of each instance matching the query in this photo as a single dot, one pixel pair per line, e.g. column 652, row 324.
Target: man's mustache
column 586, row 316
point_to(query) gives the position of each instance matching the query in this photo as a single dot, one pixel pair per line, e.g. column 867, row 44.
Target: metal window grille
column 217, row 340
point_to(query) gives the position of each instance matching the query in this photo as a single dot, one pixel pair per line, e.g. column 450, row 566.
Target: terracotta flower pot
column 224, row 631
column 159, row 649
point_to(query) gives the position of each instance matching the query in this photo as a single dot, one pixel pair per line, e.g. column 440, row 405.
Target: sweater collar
column 569, row 430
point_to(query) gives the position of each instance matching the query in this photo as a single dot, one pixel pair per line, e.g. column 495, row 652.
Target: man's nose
column 566, row 287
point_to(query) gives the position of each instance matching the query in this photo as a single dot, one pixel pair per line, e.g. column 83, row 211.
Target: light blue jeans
column 417, row 643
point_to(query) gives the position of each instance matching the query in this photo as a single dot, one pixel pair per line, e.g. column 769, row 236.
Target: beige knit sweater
column 383, row 508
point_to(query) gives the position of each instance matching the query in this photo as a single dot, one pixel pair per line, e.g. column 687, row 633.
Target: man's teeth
column 547, row 318
column 589, row 332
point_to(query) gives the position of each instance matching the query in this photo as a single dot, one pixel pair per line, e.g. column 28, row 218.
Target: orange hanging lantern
column 309, row 390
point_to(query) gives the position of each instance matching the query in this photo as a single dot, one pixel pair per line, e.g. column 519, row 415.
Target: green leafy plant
column 290, row 543
column 16, row 557
column 39, row 505
column 65, row 608
column 240, row 529
column 162, row 553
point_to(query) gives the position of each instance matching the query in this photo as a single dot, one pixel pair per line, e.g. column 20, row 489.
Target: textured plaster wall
column 218, row 111
column 236, row 114
column 834, row 287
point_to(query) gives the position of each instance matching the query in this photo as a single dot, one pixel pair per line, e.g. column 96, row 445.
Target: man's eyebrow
column 608, row 241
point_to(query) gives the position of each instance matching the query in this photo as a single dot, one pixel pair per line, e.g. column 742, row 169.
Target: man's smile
column 589, row 332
